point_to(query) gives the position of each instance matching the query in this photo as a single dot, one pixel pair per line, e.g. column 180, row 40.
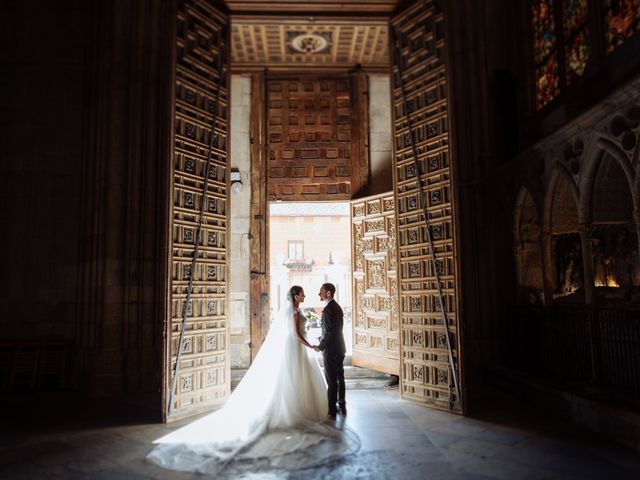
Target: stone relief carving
column 211, row 342
column 395, row 322
column 367, row 245
column 211, row 307
column 374, row 207
column 367, row 303
column 393, row 262
column 376, row 225
column 414, row 270
column 385, row 304
column 376, row 274
column 415, row 304
column 211, row 377
column 375, row 236
column 375, row 322
column 187, row 383
column 359, row 247
column 187, row 343
column 382, row 244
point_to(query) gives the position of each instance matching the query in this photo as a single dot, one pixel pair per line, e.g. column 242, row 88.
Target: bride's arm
column 296, row 319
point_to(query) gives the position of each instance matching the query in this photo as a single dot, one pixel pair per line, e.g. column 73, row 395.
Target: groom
column 333, row 350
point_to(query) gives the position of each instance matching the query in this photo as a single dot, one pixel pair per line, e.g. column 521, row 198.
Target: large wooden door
column 314, row 144
column 430, row 362
column 375, row 284
column 201, row 103
column 314, row 149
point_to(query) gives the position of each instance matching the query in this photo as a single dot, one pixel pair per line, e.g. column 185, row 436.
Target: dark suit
column 333, row 350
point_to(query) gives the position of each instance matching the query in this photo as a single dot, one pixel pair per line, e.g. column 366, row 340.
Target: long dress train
column 274, row 419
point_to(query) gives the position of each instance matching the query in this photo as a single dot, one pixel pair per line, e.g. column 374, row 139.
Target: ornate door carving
column 375, row 289
column 314, row 129
column 201, row 93
column 421, row 130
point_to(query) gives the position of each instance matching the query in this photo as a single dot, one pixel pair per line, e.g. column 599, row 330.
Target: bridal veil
column 274, row 419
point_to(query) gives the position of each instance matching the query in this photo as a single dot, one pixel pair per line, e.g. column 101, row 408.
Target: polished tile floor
column 400, row 440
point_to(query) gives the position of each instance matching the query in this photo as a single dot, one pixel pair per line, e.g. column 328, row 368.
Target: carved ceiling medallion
column 309, row 42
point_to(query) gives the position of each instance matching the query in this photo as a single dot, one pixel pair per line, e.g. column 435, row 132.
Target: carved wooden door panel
column 375, row 284
column 314, row 130
column 423, row 171
column 200, row 104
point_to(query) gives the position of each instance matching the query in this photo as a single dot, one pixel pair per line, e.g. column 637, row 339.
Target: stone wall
column 240, row 223
column 42, row 70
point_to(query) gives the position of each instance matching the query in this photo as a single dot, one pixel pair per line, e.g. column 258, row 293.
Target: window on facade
column 296, row 249
column 621, row 20
column 545, row 52
column 577, row 38
column 564, row 38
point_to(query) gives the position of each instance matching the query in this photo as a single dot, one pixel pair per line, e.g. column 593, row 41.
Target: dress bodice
column 302, row 320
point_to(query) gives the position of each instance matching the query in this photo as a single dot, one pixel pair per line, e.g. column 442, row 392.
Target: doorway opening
column 310, row 244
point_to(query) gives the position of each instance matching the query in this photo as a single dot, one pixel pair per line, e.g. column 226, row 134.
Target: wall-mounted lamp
column 236, row 181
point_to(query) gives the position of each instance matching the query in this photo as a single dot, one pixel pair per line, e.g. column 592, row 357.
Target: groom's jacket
column 332, row 341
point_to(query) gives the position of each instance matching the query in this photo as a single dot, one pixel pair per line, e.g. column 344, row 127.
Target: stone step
column 355, row 377
column 359, row 372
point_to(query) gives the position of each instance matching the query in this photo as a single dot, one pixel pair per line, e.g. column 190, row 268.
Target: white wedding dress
column 274, row 420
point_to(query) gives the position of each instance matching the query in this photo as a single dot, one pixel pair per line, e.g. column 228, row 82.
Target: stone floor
column 400, row 440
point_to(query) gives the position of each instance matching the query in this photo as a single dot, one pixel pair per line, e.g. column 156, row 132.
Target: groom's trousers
column 334, row 374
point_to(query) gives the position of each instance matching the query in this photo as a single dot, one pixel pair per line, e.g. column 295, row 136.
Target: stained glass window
column 568, row 33
column 621, row 20
column 545, row 53
column 547, row 82
column 576, row 36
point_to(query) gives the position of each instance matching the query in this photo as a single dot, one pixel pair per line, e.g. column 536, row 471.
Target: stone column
column 547, row 269
column 636, row 219
column 240, row 223
column 518, row 256
column 586, row 239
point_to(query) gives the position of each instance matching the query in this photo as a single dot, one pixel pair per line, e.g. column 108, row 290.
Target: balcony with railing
column 299, row 264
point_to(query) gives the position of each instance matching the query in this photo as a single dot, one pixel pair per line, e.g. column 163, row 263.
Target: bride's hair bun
column 293, row 291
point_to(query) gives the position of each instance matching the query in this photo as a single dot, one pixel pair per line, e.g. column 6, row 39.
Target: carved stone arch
column 564, row 272
column 587, row 180
column 592, row 166
column 525, row 189
column 609, row 203
column 610, row 193
column 527, row 248
column 558, row 173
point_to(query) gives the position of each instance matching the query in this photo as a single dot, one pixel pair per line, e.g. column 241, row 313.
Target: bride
column 274, row 419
